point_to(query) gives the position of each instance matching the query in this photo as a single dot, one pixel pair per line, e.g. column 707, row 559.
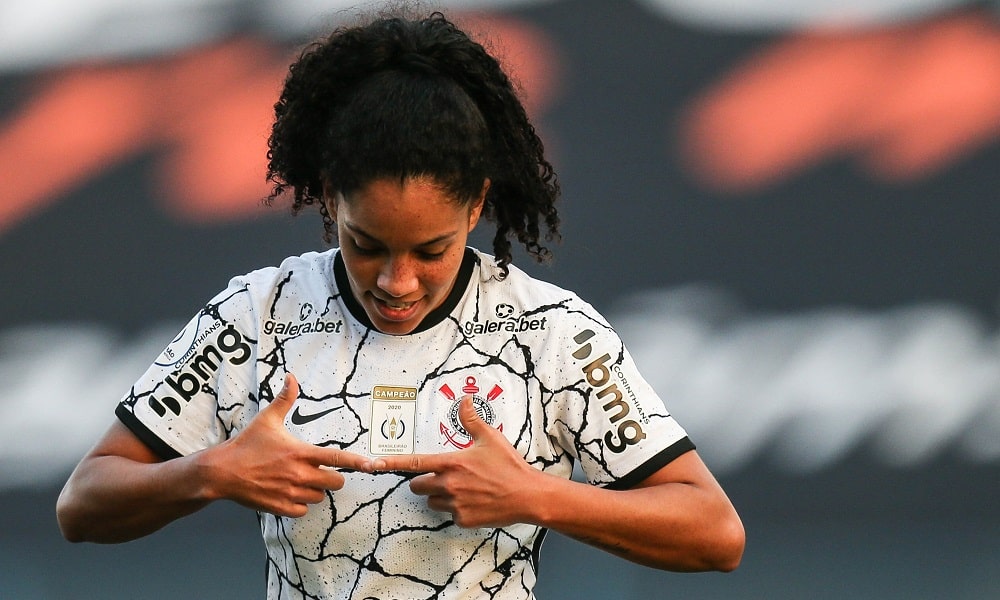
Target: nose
column 397, row 277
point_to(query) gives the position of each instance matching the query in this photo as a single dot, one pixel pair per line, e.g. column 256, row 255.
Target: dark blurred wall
column 797, row 233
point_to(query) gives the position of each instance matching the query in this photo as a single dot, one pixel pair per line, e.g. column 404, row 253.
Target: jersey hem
column 654, row 464
column 145, row 435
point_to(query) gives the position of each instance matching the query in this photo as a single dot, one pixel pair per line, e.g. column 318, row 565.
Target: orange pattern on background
column 907, row 101
column 207, row 111
column 90, row 118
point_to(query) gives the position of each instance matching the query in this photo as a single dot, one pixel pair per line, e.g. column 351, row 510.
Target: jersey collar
column 434, row 317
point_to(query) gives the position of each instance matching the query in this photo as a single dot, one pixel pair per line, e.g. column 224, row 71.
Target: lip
column 392, row 314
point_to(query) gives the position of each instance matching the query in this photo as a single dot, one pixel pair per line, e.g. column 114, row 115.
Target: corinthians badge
column 453, row 433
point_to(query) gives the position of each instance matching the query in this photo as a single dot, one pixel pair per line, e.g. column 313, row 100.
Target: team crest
column 452, row 432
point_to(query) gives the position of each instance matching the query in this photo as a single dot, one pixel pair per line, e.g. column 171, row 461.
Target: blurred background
column 789, row 209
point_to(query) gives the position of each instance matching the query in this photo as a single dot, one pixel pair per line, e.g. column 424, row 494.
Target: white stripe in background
column 802, row 389
column 810, row 387
column 61, row 384
column 46, row 33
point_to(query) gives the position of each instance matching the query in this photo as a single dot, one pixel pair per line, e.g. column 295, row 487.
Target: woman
column 404, row 411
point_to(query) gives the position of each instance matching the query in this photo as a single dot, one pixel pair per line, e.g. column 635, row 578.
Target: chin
column 395, row 328
column 390, row 327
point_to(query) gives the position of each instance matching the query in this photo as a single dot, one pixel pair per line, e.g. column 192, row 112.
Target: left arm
column 678, row 519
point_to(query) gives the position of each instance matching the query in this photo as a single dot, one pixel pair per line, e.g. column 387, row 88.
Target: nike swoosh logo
column 298, row 418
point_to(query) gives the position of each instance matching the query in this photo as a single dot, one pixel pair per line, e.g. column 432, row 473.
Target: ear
column 476, row 209
column 331, row 201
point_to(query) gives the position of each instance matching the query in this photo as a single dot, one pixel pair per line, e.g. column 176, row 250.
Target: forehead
column 412, row 209
column 392, row 189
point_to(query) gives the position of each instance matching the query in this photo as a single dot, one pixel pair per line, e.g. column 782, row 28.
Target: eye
column 432, row 255
column 364, row 250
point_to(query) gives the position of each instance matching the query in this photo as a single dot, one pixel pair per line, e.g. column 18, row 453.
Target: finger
column 314, row 494
column 288, row 509
column 425, row 484
column 309, row 483
column 343, row 460
column 411, row 463
column 327, row 479
column 283, row 402
column 440, row 504
column 471, row 420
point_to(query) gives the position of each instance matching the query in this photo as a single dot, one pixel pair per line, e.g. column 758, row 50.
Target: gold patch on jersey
column 394, row 411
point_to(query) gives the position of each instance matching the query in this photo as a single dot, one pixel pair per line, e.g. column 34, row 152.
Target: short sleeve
column 189, row 398
column 605, row 412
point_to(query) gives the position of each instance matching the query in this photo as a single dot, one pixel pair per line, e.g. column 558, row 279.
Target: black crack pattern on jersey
column 386, row 537
column 295, row 555
column 366, row 564
column 134, row 397
column 273, row 365
column 330, row 302
column 595, row 448
column 505, row 565
column 227, row 412
column 225, row 407
column 213, row 309
column 525, row 370
column 345, row 395
column 282, row 572
column 477, row 305
column 279, row 289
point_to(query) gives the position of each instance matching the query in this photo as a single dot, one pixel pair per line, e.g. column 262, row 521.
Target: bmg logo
column 628, row 431
column 187, row 382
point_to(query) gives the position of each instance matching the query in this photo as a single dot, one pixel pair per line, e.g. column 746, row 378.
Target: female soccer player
column 403, row 411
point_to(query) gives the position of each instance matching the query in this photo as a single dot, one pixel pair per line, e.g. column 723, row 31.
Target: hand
column 266, row 468
column 483, row 486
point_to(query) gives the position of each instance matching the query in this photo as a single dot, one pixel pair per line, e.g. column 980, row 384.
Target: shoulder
column 517, row 282
column 301, row 284
column 310, row 268
column 521, row 294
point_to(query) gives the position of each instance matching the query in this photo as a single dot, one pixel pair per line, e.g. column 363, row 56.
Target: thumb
column 471, row 420
column 283, row 402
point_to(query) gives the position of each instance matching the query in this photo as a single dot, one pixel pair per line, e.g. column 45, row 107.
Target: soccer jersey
column 542, row 367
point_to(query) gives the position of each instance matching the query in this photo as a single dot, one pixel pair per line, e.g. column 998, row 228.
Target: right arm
column 122, row 490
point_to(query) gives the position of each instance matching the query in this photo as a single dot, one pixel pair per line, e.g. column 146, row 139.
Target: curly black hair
column 409, row 97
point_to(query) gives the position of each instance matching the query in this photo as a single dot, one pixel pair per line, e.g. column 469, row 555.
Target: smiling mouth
column 395, row 305
column 395, row 310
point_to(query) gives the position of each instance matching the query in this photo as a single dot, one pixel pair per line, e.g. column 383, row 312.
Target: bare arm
column 678, row 519
column 121, row 490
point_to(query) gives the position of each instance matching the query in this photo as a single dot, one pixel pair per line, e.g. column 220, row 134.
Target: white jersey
column 542, row 366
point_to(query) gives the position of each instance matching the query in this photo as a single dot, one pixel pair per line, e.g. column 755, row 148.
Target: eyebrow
column 371, row 238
